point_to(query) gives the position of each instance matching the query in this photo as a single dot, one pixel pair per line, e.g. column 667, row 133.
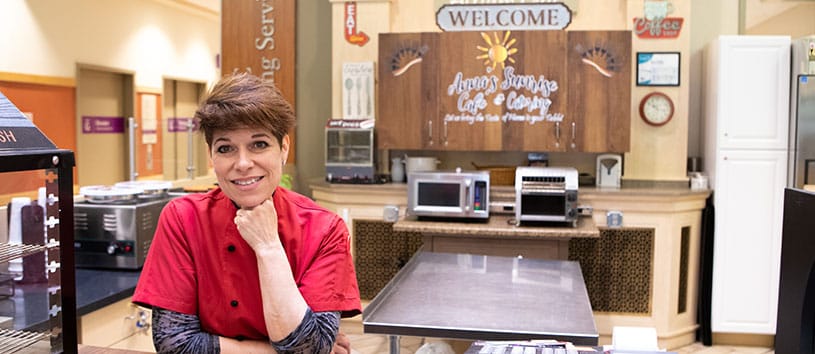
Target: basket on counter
column 499, row 175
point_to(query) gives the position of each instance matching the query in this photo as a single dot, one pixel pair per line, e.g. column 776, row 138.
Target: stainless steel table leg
column 394, row 343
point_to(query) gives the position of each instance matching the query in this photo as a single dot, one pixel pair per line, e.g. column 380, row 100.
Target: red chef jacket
column 199, row 264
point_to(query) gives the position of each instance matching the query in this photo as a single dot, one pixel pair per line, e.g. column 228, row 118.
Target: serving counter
column 644, row 273
column 499, row 236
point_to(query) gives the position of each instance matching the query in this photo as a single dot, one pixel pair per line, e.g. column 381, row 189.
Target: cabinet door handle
column 430, row 132
column 557, row 134
column 574, row 135
column 445, row 133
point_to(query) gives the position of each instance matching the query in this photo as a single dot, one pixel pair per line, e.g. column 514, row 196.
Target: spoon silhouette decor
column 349, row 84
column 359, row 95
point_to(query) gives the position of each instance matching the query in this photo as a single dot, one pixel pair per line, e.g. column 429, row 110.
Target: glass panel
column 543, row 204
column 439, row 194
column 349, row 146
column 30, row 275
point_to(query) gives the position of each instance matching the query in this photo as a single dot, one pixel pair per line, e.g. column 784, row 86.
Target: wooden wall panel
column 259, row 37
column 53, row 108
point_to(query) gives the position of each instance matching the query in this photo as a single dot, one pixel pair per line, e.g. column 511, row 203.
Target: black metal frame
column 64, row 324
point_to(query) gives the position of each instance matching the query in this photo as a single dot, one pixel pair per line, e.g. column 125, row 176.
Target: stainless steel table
column 476, row 297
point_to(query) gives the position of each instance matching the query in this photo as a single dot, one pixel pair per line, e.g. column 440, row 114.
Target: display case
column 42, row 302
column 349, row 154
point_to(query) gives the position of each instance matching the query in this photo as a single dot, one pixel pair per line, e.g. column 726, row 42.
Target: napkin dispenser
column 609, row 170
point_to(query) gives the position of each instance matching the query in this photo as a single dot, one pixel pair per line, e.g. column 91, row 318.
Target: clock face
column 656, row 108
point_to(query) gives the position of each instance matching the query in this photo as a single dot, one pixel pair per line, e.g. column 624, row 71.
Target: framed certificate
column 658, row 68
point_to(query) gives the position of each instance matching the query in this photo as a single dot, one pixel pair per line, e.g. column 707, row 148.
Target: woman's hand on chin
column 258, row 225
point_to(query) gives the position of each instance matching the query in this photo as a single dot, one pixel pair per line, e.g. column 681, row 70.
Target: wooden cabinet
column 747, row 105
column 505, row 91
column 465, row 91
column 533, row 87
column 407, row 91
column 599, row 82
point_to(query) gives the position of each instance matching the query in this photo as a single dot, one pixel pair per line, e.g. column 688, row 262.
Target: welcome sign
column 464, row 17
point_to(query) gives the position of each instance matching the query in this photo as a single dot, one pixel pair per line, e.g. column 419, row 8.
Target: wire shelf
column 14, row 341
column 9, row 251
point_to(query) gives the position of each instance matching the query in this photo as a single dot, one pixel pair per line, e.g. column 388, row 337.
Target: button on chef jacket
column 199, row 264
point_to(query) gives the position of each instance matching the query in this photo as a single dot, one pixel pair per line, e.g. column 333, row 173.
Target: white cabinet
column 747, row 246
column 746, row 133
column 752, row 80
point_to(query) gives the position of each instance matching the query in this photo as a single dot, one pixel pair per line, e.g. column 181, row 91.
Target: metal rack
column 17, row 341
column 25, row 148
column 9, row 252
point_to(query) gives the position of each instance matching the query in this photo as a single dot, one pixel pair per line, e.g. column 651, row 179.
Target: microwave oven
column 449, row 194
column 546, row 194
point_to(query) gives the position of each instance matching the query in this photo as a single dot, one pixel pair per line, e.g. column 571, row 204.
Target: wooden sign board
column 483, row 17
column 505, row 90
column 259, row 37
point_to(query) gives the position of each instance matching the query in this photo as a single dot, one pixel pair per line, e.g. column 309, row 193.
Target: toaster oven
column 449, row 194
column 546, row 194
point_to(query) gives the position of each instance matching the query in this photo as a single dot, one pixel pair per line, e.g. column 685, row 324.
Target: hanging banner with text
column 258, row 37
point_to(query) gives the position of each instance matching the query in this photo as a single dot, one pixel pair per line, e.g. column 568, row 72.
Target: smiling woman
column 252, row 266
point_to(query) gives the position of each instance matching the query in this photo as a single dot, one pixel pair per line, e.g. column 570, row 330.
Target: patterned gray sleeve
column 315, row 334
column 178, row 333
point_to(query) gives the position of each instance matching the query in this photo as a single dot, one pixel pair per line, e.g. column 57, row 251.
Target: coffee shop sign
column 541, row 16
column 658, row 27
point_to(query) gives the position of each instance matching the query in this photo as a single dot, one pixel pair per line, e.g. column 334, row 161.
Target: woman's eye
column 223, row 149
column 259, row 145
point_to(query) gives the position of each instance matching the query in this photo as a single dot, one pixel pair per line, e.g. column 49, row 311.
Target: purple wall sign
column 177, row 124
column 102, row 125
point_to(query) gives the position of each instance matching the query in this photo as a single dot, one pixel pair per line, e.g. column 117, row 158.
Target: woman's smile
column 247, row 182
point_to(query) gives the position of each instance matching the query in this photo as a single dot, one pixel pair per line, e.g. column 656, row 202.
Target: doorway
column 185, row 149
column 105, row 102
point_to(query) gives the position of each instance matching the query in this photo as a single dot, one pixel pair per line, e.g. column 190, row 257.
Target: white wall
column 150, row 38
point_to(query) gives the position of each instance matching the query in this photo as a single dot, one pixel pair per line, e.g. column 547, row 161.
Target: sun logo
column 497, row 51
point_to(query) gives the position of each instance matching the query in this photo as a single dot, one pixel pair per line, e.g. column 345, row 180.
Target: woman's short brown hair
column 245, row 101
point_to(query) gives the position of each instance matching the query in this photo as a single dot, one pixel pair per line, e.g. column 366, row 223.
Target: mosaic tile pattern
column 617, row 268
column 379, row 254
